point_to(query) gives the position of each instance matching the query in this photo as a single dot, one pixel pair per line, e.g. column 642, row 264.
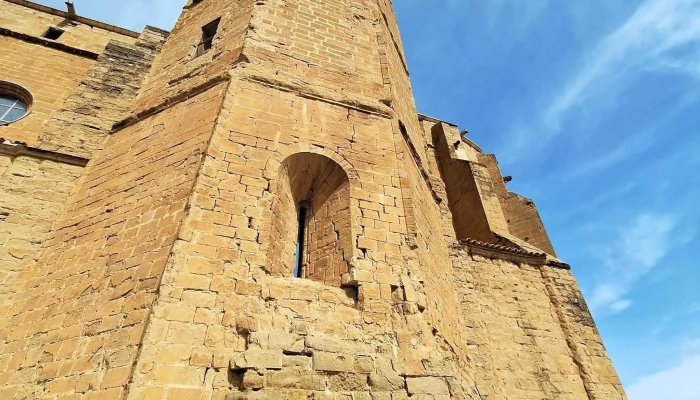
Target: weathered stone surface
column 263, row 359
column 333, row 362
column 165, row 269
column 427, row 385
column 252, row 380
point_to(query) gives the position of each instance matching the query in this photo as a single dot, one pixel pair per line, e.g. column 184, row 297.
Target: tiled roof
column 501, row 248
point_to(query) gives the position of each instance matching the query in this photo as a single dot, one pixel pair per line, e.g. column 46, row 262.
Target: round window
column 15, row 102
column 11, row 109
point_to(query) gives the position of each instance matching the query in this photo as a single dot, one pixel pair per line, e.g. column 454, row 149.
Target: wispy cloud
column 656, row 37
column 639, row 247
column 663, row 327
column 635, row 145
column 620, row 306
column 519, row 14
column 648, row 39
column 678, row 383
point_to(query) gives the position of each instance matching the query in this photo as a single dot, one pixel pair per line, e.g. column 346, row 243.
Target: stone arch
column 318, row 184
column 272, row 166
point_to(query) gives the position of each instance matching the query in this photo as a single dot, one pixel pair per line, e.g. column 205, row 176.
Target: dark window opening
column 301, row 237
column 208, row 34
column 53, row 33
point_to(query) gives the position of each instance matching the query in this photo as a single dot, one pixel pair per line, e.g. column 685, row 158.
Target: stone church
column 250, row 207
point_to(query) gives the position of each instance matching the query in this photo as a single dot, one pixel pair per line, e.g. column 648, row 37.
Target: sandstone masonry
column 250, row 207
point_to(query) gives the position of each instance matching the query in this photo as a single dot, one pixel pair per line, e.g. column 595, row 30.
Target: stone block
column 116, row 377
column 357, row 277
column 201, row 357
column 175, row 393
column 333, row 362
column 252, row 380
column 348, row 382
column 327, row 343
column 257, row 359
column 427, row 385
column 245, row 325
column 284, row 341
column 294, row 378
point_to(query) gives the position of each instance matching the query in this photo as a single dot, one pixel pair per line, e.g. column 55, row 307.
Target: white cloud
column 647, row 240
column 661, row 35
column 620, row 306
column 635, row 145
column 639, row 246
column 677, row 383
column 517, row 15
column 647, row 39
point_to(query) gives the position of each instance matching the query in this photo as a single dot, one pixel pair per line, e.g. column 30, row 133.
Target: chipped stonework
column 164, row 268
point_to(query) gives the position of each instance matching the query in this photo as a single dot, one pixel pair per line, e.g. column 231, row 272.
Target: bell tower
column 300, row 268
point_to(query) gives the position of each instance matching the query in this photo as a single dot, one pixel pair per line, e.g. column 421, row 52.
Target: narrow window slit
column 299, row 257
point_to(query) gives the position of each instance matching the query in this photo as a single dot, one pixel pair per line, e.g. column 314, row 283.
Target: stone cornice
column 76, row 18
column 17, row 149
column 49, row 43
column 177, row 99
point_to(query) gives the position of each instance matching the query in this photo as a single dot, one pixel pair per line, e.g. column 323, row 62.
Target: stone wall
column 330, row 242
column 69, row 118
column 179, row 69
column 518, row 343
column 599, row 376
column 524, row 221
column 49, row 74
column 78, row 315
column 328, row 49
column 103, row 98
column 426, row 279
column 169, row 275
column 224, row 326
column 532, row 335
column 33, row 20
column 51, row 70
column 34, row 192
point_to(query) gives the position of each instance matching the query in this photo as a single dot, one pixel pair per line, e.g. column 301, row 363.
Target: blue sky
column 594, row 108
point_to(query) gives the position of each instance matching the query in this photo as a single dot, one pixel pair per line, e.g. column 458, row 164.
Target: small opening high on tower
column 53, row 33
column 208, row 34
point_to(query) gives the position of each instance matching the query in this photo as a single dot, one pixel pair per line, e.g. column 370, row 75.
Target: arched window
column 310, row 236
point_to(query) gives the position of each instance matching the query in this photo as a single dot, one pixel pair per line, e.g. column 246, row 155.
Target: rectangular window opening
column 208, row 34
column 299, row 256
column 53, row 33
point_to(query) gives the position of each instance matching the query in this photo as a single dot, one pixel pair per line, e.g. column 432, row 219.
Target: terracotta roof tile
column 506, row 249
